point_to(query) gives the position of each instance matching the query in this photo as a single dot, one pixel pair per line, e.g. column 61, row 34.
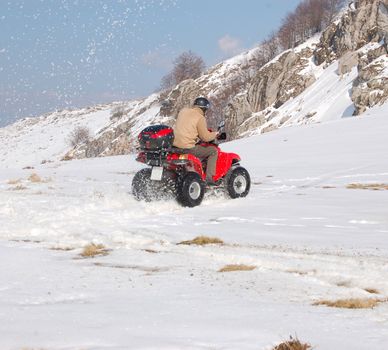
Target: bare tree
column 186, row 66
column 331, row 9
column 80, row 134
column 270, row 48
column 310, row 17
column 117, row 112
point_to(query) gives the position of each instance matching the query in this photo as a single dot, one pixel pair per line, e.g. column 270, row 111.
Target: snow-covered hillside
column 309, row 235
column 33, row 140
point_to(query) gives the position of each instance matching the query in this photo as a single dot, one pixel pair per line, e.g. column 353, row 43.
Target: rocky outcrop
column 277, row 82
column 347, row 62
column 365, row 26
column 182, row 96
column 364, row 22
column 236, row 113
column 371, row 86
column 274, row 84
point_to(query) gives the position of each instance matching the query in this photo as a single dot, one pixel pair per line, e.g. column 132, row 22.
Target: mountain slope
column 337, row 73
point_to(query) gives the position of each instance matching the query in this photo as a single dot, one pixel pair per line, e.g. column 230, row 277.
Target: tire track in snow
column 336, row 269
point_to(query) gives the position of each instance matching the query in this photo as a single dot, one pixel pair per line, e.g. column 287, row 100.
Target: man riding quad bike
column 184, row 167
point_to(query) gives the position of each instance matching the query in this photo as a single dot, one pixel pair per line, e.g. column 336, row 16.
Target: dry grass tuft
column 34, row 177
column 14, row 181
column 64, row 249
column 298, row 272
column 25, row 241
column 92, row 250
column 202, row 240
column 346, row 284
column 19, row 187
column 148, row 269
column 373, row 187
column 292, row 344
column 352, row 303
column 240, row 267
column 151, row 251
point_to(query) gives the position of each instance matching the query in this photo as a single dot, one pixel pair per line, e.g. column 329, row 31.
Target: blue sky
column 58, row 54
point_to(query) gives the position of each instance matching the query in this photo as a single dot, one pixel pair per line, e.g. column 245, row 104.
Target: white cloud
column 229, row 45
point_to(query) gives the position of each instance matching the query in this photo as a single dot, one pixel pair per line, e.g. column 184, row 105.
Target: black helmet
column 202, row 102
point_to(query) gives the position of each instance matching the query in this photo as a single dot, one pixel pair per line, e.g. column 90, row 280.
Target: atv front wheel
column 190, row 190
column 238, row 183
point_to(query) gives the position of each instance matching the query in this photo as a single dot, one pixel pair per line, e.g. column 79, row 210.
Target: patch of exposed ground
column 239, row 267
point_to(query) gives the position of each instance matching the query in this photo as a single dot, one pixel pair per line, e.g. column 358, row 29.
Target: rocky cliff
column 357, row 39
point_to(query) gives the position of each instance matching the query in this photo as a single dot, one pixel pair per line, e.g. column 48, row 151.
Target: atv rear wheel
column 190, row 190
column 143, row 188
column 238, row 183
column 141, row 185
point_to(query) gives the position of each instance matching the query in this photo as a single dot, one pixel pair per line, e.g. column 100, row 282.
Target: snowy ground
column 309, row 236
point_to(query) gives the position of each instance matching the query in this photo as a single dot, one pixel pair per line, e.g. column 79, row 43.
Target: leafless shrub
column 80, row 134
column 117, row 112
column 270, row 48
column 292, row 344
column 310, row 17
column 186, row 66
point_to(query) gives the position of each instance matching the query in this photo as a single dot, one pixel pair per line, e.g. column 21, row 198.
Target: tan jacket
column 191, row 125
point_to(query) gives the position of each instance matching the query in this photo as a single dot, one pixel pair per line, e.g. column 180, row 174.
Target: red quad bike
column 174, row 172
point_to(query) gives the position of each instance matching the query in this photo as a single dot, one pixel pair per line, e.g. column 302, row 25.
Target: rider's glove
column 221, row 136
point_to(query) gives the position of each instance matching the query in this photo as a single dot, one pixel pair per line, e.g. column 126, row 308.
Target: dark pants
column 211, row 154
